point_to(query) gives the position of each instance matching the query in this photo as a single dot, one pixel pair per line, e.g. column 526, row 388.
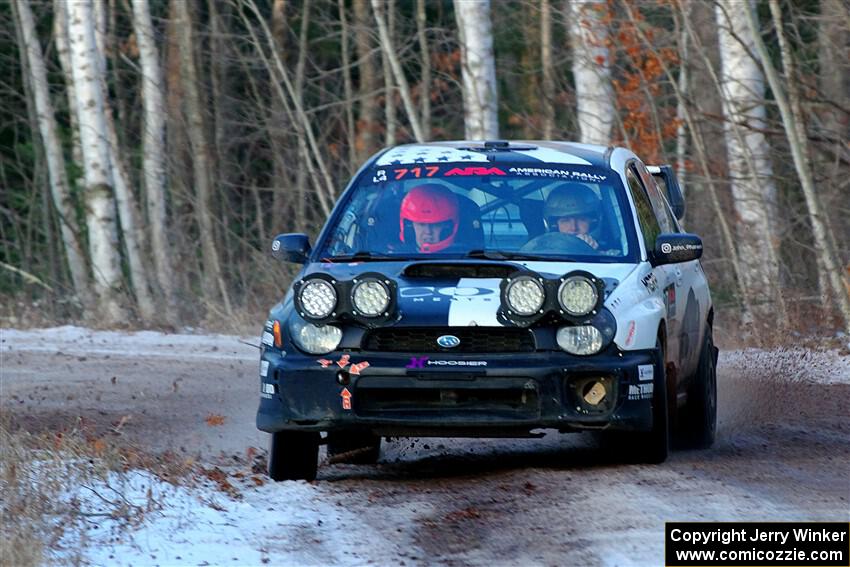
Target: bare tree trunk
column 59, row 186
column 425, row 79
column 347, row 86
column 367, row 122
column 60, row 32
column 750, row 171
column 390, row 120
column 283, row 199
column 100, row 213
column 548, row 70
column 681, row 130
column 398, row 72
column 154, row 155
column 324, row 186
column 213, row 279
column 478, row 68
column 591, row 71
column 795, row 130
column 300, row 65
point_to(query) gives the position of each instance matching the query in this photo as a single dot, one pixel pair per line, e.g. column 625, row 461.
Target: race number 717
column 429, row 170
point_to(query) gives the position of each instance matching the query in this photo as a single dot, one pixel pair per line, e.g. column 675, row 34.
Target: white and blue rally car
column 491, row 289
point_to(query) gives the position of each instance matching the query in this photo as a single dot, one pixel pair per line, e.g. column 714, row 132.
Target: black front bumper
column 454, row 395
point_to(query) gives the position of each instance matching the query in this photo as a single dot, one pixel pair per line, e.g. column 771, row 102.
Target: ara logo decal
column 417, row 362
column 325, row 362
column 343, row 361
column 474, row 171
column 346, row 399
column 448, row 341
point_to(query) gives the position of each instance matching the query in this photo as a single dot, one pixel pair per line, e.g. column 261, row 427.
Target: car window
column 646, row 216
column 548, row 210
column 659, row 204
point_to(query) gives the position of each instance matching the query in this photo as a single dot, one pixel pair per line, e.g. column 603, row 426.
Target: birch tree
column 153, row 145
column 591, row 70
column 367, row 118
column 795, row 129
column 94, row 141
column 478, row 69
column 59, row 185
column 748, row 153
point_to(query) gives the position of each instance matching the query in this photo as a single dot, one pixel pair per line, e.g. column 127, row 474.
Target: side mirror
column 291, row 247
column 675, row 248
column 668, row 183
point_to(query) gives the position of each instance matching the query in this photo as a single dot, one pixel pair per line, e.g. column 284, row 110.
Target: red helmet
column 430, row 203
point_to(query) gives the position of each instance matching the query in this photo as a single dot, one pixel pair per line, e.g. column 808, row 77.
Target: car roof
column 499, row 151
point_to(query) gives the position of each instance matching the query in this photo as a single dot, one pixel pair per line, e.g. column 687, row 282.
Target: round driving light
column 370, row 297
column 582, row 340
column 525, row 296
column 578, row 296
column 317, row 298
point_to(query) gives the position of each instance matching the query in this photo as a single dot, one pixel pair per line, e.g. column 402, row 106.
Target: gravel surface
column 782, row 452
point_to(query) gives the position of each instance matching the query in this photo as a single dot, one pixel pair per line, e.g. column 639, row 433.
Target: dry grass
column 41, row 477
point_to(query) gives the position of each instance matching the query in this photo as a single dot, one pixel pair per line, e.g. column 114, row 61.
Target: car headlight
column 317, row 298
column 578, row 296
column 370, row 297
column 589, row 339
column 525, row 295
column 582, row 340
column 314, row 339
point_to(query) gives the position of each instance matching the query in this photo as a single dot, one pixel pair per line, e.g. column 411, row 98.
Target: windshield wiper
column 361, row 256
column 496, row 255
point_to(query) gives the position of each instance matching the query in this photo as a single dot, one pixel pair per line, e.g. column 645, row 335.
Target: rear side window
column 646, row 216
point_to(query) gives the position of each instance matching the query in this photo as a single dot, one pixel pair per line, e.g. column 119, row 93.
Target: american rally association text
column 725, row 536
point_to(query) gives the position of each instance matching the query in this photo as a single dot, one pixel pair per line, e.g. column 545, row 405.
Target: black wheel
column 353, row 447
column 699, row 416
column 653, row 446
column 293, row 455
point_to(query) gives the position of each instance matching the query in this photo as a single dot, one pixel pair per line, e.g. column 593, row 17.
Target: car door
column 687, row 290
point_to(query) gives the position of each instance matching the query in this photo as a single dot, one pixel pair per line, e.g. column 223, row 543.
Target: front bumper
column 455, row 395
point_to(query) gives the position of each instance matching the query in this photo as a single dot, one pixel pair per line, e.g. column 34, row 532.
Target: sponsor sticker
column 264, row 368
column 640, row 391
column 267, row 390
column 268, row 339
column 646, row 372
column 417, row 362
column 457, row 363
column 325, row 362
column 630, row 336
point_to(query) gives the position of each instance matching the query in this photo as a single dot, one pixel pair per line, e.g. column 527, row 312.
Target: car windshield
column 490, row 211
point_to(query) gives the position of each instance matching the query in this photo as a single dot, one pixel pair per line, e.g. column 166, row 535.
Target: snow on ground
column 81, row 341
column 288, row 523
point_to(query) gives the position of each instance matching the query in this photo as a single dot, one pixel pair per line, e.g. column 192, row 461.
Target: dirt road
column 783, row 452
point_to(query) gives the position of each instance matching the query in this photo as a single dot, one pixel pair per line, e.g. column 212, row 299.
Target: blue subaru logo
column 448, row 341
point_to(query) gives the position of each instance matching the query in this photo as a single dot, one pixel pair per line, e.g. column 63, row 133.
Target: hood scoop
column 450, row 270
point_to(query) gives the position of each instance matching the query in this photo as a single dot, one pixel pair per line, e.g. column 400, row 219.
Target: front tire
column 656, row 443
column 699, row 416
column 293, row 455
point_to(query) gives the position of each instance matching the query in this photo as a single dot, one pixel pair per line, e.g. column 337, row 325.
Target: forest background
column 150, row 150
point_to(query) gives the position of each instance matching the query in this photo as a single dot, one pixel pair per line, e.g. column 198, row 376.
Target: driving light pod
column 314, row 339
column 578, row 296
column 317, row 298
column 581, row 340
column 370, row 297
column 525, row 296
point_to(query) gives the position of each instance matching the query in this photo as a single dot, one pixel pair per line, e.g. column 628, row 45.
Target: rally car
column 491, row 289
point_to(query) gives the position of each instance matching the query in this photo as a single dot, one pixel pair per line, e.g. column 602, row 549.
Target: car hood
column 460, row 293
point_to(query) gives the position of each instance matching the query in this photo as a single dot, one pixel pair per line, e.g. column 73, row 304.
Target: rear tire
column 366, row 445
column 699, row 416
column 293, row 455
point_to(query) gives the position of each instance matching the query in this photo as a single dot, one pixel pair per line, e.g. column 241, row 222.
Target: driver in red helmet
column 429, row 215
